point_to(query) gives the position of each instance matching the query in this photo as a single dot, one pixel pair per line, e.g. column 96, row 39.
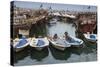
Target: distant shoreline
column 55, row 6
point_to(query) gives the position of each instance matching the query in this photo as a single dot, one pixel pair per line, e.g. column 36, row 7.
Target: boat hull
column 59, row 48
column 40, row 48
column 18, row 49
column 92, row 41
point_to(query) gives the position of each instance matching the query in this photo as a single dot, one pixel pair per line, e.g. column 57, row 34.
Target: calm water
column 30, row 56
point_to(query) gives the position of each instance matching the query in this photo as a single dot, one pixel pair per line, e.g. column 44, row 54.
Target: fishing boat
column 59, row 44
column 20, row 43
column 91, row 37
column 39, row 43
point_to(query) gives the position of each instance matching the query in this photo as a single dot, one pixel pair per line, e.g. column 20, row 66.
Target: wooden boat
column 59, row 44
column 20, row 44
column 39, row 43
column 91, row 37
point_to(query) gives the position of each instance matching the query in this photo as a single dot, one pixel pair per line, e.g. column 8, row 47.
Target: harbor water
column 50, row 55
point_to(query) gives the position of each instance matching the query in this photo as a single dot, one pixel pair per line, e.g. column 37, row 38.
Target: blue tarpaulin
column 21, row 43
column 92, row 36
column 40, row 42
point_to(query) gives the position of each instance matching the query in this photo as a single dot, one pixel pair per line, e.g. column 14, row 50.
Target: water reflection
column 80, row 50
column 75, row 50
column 59, row 55
column 21, row 55
column 38, row 55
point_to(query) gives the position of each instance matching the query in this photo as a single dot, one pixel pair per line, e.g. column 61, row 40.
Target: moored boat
column 62, row 44
column 73, row 41
column 53, row 21
column 39, row 43
column 59, row 44
column 91, row 37
column 20, row 43
column 76, row 42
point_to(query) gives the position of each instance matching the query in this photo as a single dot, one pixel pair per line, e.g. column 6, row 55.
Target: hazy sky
column 36, row 5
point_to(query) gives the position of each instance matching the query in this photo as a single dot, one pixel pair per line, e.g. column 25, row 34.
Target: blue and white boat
column 53, row 21
column 20, row 43
column 76, row 42
column 59, row 44
column 62, row 44
column 39, row 43
column 91, row 37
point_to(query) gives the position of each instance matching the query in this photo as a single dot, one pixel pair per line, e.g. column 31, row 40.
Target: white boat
column 62, row 44
column 91, row 37
column 59, row 44
column 39, row 43
column 20, row 44
column 53, row 21
column 76, row 42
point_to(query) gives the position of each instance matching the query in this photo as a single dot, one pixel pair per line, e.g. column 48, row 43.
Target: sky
column 55, row 6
